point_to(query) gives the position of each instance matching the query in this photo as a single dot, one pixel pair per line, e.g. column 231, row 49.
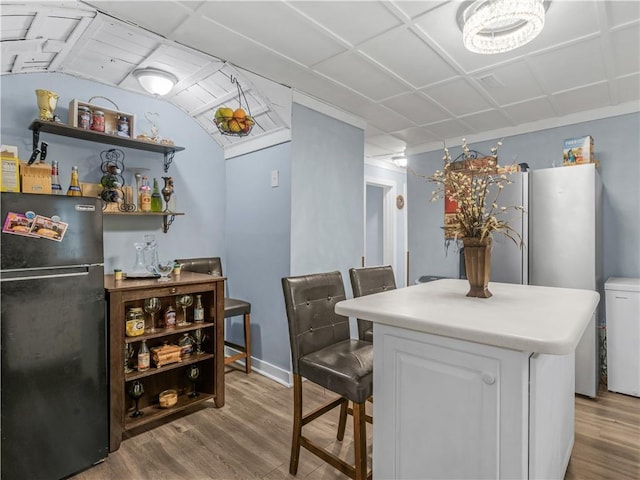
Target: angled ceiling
column 398, row 65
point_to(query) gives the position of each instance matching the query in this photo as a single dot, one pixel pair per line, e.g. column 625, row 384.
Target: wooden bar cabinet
column 128, row 293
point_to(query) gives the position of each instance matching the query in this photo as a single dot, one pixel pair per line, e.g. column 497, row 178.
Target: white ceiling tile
column 372, row 151
column 622, row 13
column 416, row 108
column 405, row 54
column 458, row 96
column 355, row 72
column 581, row 99
column 383, row 118
column 626, row 59
column 479, row 121
column 416, row 135
column 530, row 110
column 565, row 21
column 412, row 9
column 448, row 129
column 353, row 21
column 388, row 141
column 570, row 66
column 629, row 89
column 243, row 50
column 514, row 82
column 276, row 26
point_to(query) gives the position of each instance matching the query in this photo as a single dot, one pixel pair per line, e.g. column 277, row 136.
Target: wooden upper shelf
column 93, row 136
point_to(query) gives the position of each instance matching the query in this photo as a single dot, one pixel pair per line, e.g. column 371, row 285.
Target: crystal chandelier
column 496, row 26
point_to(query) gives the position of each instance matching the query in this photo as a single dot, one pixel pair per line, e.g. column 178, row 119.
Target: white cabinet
column 468, row 411
column 622, row 297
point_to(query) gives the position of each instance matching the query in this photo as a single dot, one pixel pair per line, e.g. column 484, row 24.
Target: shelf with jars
column 64, row 130
column 162, row 361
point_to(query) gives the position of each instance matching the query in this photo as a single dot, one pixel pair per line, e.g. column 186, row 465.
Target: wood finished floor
column 249, row 438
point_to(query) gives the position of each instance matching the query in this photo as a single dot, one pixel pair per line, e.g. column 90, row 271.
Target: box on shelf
column 578, row 151
column 35, row 178
column 111, row 118
column 10, row 169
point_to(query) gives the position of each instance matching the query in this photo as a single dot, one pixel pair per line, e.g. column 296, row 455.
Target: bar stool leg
column 342, row 423
column 247, row 342
column 297, row 424
column 360, row 440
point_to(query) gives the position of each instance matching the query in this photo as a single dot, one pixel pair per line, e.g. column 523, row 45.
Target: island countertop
column 519, row 317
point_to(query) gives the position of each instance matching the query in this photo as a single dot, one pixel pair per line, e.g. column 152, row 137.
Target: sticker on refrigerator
column 46, row 227
column 18, row 224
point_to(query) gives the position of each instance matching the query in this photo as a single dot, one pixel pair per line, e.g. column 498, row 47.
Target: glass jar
column 97, row 121
column 134, row 322
column 84, row 117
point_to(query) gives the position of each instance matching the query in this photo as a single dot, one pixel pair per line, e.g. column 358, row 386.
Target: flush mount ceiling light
column 399, row 161
column 497, row 26
column 154, row 81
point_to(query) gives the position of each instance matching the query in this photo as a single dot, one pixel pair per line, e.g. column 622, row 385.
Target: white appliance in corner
column 565, row 248
column 508, row 261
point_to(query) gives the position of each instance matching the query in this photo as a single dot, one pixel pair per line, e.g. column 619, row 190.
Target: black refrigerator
column 54, row 404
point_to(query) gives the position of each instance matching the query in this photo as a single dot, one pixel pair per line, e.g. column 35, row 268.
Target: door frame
column 390, row 189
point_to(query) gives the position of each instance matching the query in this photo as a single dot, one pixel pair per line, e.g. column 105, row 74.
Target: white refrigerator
column 565, row 248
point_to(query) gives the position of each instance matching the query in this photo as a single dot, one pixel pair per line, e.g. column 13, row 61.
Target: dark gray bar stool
column 323, row 353
column 232, row 306
column 367, row 281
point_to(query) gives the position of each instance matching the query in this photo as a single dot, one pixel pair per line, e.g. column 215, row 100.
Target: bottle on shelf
column 156, row 198
column 144, row 357
column 74, row 186
column 56, row 189
column 198, row 310
column 145, row 195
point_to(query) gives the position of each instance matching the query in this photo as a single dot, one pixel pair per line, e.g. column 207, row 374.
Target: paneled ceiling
column 398, row 65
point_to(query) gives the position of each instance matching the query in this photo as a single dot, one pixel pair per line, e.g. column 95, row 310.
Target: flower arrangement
column 471, row 189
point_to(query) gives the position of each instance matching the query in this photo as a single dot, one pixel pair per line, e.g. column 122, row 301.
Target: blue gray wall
column 616, row 147
column 198, row 171
column 258, row 251
column 327, row 192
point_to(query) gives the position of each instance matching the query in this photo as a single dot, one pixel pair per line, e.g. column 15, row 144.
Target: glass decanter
column 139, row 267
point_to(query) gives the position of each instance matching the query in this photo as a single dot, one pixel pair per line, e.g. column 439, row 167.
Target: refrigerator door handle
column 38, row 277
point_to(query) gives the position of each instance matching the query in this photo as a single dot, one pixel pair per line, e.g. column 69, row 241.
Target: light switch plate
column 275, row 178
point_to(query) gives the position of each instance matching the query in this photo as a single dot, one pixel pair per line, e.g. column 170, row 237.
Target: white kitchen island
column 470, row 388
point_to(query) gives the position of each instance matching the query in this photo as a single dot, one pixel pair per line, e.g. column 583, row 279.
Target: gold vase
column 47, row 102
column 477, row 264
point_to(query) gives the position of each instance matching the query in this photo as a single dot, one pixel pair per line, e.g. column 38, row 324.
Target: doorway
column 380, row 223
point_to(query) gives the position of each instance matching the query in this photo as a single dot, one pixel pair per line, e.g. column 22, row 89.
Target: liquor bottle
column 74, row 185
column 156, row 198
column 144, row 357
column 145, row 195
column 56, row 189
column 198, row 310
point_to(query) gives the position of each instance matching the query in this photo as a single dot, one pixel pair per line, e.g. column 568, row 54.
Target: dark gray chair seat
column 344, row 368
column 323, row 353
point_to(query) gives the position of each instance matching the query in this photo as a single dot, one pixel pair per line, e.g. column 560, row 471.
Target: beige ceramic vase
column 47, row 102
column 477, row 264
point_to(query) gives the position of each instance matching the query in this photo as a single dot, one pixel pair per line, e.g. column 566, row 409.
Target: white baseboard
column 277, row 374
